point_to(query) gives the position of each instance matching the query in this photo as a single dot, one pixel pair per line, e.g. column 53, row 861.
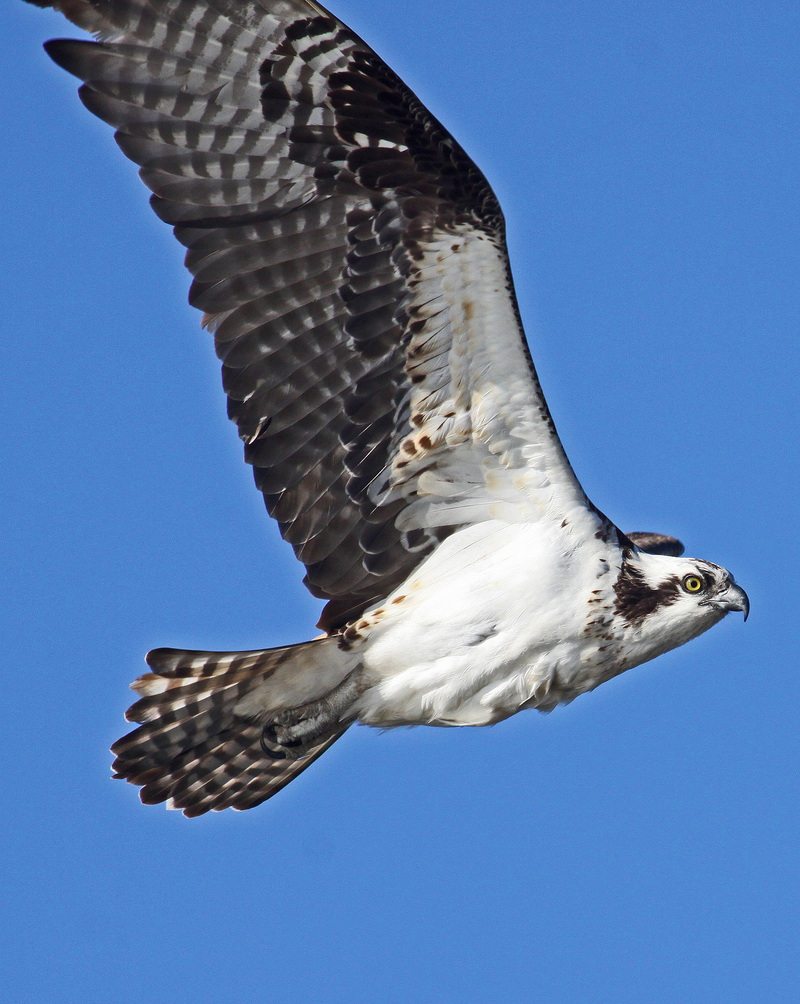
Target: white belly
column 495, row 620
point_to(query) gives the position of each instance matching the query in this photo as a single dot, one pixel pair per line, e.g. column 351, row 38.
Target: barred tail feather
column 200, row 743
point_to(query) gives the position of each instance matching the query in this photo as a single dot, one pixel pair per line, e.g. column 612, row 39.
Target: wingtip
column 657, row 543
column 62, row 52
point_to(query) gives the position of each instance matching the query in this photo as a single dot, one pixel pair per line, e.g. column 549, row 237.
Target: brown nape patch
column 636, row 599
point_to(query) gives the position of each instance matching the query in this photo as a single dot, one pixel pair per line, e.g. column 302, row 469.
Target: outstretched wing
column 350, row 260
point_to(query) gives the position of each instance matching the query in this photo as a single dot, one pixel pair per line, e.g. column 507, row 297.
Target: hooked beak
column 735, row 598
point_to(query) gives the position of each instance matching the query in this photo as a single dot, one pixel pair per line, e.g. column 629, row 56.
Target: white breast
column 493, row 620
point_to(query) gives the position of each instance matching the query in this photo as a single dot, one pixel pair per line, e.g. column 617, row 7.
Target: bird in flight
column 350, row 260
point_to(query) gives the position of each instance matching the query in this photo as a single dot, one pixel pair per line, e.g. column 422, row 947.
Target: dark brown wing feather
column 657, row 543
column 303, row 177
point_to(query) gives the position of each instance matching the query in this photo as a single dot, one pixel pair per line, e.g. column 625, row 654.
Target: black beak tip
column 744, row 602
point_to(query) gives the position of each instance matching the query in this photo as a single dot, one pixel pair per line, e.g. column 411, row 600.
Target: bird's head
column 666, row 601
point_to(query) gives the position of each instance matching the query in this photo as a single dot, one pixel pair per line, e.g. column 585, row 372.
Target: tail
column 230, row 729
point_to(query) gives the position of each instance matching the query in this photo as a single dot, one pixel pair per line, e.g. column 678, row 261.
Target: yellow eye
column 693, row 583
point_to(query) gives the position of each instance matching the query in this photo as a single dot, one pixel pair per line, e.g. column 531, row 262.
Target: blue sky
column 637, row 846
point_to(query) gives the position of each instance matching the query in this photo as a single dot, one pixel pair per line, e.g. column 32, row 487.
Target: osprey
column 350, row 259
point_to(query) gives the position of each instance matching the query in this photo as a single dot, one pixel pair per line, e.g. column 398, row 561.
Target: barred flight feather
column 328, row 217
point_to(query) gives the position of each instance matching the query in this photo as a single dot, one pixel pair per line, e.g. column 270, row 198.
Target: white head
column 666, row 601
